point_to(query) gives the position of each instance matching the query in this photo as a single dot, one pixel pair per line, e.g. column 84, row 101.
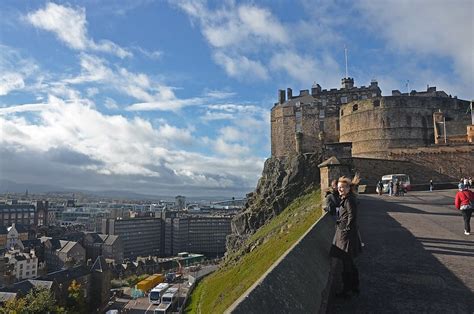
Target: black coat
column 347, row 231
column 332, row 201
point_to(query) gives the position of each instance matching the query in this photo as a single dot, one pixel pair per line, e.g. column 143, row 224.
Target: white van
column 404, row 180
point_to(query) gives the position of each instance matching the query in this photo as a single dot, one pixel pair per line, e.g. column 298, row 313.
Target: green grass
column 215, row 293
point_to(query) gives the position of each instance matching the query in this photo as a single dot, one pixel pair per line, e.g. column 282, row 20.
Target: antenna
column 345, row 53
column 408, row 87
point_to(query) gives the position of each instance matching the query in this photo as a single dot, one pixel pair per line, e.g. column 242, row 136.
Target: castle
column 429, row 128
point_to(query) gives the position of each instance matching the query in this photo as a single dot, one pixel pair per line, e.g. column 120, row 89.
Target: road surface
column 416, row 257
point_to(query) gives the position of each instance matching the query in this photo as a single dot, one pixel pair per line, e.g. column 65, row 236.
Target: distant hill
column 8, row 186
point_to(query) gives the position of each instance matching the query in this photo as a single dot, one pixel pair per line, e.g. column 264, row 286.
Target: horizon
column 174, row 97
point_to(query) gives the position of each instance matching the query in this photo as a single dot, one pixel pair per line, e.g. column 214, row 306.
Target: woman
column 464, row 201
column 347, row 244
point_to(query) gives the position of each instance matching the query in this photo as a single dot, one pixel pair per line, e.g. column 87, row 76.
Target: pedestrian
column 470, row 182
column 397, row 188
column 464, row 201
column 431, row 185
column 390, row 188
column 332, row 200
column 347, row 244
column 380, row 187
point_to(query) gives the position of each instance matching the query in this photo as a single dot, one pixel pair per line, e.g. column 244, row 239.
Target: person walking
column 347, row 244
column 464, row 201
column 380, row 187
column 332, row 200
column 390, row 188
column 431, row 185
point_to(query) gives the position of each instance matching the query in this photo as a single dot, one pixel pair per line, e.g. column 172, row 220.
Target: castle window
column 298, row 119
column 376, row 103
column 342, row 112
column 344, row 100
column 355, row 107
column 321, row 125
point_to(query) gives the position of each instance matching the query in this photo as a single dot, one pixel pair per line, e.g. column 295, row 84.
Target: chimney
column 289, row 93
column 281, row 96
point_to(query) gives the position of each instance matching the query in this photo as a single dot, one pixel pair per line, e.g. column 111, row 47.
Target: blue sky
column 174, row 97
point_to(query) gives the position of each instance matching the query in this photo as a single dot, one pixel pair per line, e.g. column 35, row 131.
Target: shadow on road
column 399, row 273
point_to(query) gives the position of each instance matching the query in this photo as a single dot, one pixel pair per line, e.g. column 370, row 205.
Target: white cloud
column 70, row 26
column 125, row 149
column 307, row 69
column 110, row 103
column 230, row 149
column 16, row 70
column 219, row 94
column 241, row 67
column 231, row 134
column 9, row 82
column 155, row 55
column 426, row 27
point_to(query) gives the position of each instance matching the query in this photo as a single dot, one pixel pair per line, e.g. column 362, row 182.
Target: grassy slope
column 219, row 290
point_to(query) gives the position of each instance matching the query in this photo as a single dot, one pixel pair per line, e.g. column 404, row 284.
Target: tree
column 76, row 300
column 38, row 300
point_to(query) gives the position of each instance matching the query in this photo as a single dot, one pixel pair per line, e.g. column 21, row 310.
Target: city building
column 16, row 234
column 108, row 246
column 60, row 254
column 180, row 202
column 28, row 214
column 198, row 233
column 140, row 236
column 24, row 265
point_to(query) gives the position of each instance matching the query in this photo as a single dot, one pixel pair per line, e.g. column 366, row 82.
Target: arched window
column 355, row 107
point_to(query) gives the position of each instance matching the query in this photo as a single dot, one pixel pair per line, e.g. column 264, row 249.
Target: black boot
column 355, row 281
column 346, row 286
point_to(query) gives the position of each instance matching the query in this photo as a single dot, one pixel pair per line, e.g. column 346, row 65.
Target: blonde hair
column 351, row 183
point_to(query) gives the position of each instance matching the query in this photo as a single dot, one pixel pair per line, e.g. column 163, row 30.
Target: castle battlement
column 361, row 115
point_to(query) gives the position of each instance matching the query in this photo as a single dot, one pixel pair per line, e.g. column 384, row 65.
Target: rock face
column 283, row 180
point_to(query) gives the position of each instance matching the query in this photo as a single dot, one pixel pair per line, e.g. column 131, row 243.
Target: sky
column 174, row 97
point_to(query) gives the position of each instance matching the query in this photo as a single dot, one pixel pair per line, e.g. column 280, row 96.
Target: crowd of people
column 394, row 188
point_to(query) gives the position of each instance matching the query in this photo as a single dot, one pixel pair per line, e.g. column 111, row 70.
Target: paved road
column 416, row 257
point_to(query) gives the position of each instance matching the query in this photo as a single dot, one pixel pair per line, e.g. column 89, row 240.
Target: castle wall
column 331, row 129
column 455, row 161
column 310, row 128
column 283, row 126
column 377, row 125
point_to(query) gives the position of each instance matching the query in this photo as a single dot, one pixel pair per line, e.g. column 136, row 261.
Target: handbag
column 468, row 206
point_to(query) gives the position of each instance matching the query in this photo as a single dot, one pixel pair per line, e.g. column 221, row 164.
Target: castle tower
column 347, row 82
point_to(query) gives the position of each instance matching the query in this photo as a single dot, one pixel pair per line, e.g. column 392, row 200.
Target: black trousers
column 466, row 215
column 350, row 273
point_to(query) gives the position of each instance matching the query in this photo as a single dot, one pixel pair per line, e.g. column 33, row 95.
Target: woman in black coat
column 347, row 244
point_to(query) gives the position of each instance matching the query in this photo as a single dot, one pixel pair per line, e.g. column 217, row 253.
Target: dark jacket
column 347, row 231
column 332, row 201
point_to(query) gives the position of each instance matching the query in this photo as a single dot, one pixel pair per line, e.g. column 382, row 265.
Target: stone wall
column 453, row 161
column 377, row 125
column 299, row 281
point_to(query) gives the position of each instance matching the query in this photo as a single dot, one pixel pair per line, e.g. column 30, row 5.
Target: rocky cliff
column 283, row 180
